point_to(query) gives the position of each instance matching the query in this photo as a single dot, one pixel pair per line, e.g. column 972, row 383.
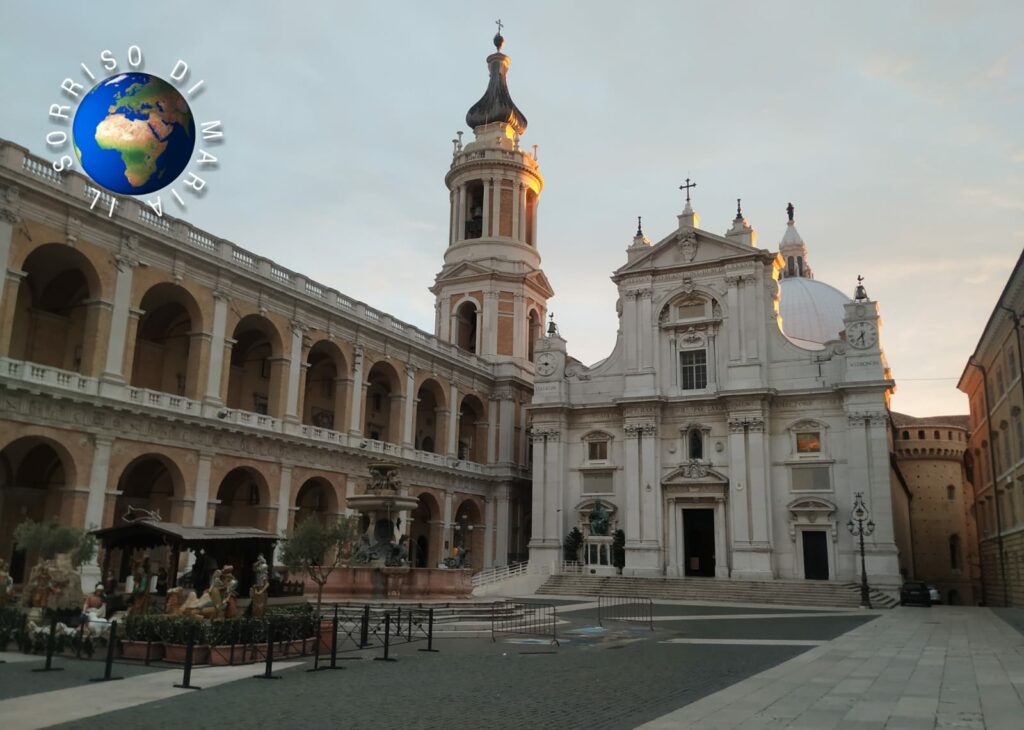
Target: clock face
column 545, row 364
column 862, row 335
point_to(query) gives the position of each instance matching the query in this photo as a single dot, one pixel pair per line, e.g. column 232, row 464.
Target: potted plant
column 226, row 645
column 140, row 632
column 175, row 633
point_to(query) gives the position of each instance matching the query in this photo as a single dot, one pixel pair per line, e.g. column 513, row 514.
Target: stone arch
column 243, row 499
column 687, row 295
column 58, row 310
column 472, row 431
column 167, row 352
column 467, row 315
column 153, row 482
column 382, row 408
column 34, row 472
column 315, row 498
column 257, row 371
column 428, row 432
column 425, row 532
column 324, row 397
column 468, row 531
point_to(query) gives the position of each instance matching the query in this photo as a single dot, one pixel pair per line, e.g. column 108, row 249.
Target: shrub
column 572, row 543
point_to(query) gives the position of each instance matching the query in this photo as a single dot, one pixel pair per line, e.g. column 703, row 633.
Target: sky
column 893, row 127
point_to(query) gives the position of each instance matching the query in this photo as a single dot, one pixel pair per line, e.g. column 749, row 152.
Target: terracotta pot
column 326, row 627
column 295, row 647
column 220, row 655
column 176, row 653
column 137, row 650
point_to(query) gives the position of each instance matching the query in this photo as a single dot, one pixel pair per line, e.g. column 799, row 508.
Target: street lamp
column 860, row 524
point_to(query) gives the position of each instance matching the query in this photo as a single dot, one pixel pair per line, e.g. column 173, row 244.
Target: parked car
column 934, row 594
column 915, row 594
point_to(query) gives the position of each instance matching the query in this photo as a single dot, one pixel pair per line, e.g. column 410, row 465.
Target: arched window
column 535, row 330
column 950, row 492
column 906, row 434
column 465, row 326
column 920, row 434
column 954, row 552
column 696, row 444
column 936, row 435
column 790, row 267
column 800, row 264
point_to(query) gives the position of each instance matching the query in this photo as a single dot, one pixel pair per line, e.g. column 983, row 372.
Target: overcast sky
column 894, row 127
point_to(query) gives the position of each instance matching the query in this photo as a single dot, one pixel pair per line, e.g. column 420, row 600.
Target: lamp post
column 860, row 524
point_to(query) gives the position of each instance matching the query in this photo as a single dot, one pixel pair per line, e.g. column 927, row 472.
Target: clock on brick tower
column 491, row 294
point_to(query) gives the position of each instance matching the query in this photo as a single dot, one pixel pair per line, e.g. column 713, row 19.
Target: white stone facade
column 720, row 446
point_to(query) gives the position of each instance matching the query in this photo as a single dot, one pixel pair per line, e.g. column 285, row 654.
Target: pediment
column 686, row 247
column 540, row 281
column 806, row 505
column 693, row 472
column 460, row 271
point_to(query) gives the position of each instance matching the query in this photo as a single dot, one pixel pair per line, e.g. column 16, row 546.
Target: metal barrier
column 625, row 608
column 527, row 618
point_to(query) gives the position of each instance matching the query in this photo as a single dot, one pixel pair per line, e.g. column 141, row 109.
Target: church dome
column 811, row 310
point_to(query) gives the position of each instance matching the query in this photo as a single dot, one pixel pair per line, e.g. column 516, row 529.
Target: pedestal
column 597, row 555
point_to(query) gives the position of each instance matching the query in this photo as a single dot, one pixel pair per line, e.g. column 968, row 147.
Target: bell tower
column 491, row 295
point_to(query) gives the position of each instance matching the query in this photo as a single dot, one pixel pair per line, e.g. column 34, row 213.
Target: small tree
column 316, row 548
column 47, row 540
column 572, row 543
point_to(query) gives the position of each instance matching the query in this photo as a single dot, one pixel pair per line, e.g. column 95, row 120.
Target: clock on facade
column 862, row 335
column 546, row 363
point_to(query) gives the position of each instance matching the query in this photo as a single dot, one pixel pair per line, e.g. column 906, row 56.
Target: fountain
column 380, row 566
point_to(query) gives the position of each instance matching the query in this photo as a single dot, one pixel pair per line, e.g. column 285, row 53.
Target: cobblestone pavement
column 617, row 678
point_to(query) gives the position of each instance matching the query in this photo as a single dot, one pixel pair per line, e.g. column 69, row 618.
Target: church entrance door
column 815, row 544
column 699, row 542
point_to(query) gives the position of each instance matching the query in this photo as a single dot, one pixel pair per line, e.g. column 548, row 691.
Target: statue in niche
column 599, row 520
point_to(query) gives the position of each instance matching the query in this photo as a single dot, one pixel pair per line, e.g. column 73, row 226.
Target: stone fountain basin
column 375, row 502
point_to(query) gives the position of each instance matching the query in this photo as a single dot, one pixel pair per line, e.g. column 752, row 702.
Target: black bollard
column 268, row 672
column 364, row 632
column 108, row 664
column 186, row 680
column 430, row 632
column 398, row 623
column 50, row 641
column 387, row 640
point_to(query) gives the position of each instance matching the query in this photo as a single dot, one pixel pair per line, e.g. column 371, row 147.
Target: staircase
column 812, row 594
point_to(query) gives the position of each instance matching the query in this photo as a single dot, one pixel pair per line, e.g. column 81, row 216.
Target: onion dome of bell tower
column 496, row 104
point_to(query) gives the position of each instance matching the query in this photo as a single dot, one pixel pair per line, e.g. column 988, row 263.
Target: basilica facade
column 743, row 407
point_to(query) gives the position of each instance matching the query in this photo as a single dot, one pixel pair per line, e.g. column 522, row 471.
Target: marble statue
column 260, row 584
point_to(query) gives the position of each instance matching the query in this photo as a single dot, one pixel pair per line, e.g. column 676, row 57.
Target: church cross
column 687, row 187
column 499, row 24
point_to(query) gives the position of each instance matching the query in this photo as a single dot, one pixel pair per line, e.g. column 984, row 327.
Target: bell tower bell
column 491, row 295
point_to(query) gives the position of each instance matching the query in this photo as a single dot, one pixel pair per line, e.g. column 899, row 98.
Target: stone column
column 496, row 197
column 292, row 412
column 492, row 430
column 674, row 561
column 453, row 421
column 501, row 526
column 284, row 499
column 760, row 489
column 650, row 488
column 453, row 201
column 520, row 331
column 355, row 426
column 488, row 189
column 99, row 481
column 9, row 304
column 490, row 507
column 112, row 370
column 721, row 544
column 215, row 367
column 517, row 194
column 202, row 504
column 408, row 413
column 446, row 526
column 738, row 477
column 128, row 358
column 7, row 221
column 507, row 422
column 460, row 227
column 490, row 324
column 631, row 478
column 733, row 299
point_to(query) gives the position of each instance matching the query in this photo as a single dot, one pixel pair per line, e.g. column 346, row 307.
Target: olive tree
column 316, row 548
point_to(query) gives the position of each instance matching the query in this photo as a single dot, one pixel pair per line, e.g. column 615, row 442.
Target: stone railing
column 31, row 372
column 165, row 401
column 17, row 161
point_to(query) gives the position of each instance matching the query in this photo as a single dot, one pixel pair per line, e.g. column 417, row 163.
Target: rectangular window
column 1011, row 364
column 811, row 479
column 999, row 381
column 690, row 311
column 597, row 451
column 694, row 366
column 597, row 482
column 808, row 443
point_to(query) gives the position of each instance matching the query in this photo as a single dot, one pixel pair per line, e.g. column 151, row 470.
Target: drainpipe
column 995, row 481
